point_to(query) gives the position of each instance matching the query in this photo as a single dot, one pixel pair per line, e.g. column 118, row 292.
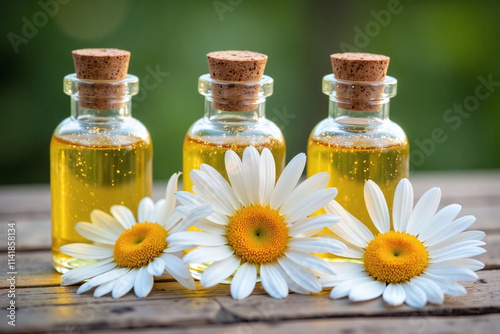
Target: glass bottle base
column 63, row 263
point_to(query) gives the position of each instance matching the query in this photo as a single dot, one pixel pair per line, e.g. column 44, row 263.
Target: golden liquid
column 197, row 152
column 350, row 167
column 94, row 176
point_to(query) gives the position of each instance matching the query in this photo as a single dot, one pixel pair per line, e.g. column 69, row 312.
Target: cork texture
column 236, row 67
column 101, row 65
column 358, row 68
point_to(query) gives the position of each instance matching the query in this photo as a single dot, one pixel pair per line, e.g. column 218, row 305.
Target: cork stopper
column 236, row 70
column 106, row 66
column 358, row 68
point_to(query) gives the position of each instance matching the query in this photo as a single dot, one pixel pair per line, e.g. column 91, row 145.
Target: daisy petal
column 96, row 233
column 207, row 226
column 467, row 235
column 433, row 292
column 143, row 283
column 349, row 228
column 145, row 210
column 159, row 214
column 307, row 224
column 196, row 238
column 424, row 210
column 219, row 271
column 85, row 272
column 87, row 251
column 243, row 281
column 274, row 284
column 402, row 207
column 288, row 180
column 104, row 289
column 300, row 275
column 471, row 264
column 367, row 291
column 103, row 278
column 451, row 229
column 310, row 204
column 449, row 287
column 267, row 175
column 438, row 254
column 448, row 272
column 308, row 187
column 415, row 297
column 343, row 289
column 291, row 284
column 251, row 169
column 394, row 294
column 377, row 207
column 170, row 199
column 226, row 188
column 443, row 218
column 179, row 270
column 234, row 169
column 124, row 284
column 123, row 215
column 459, row 253
column 156, row 267
column 194, row 215
column 192, row 201
column 211, row 192
column 318, row 245
column 106, row 221
column 208, row 254
column 310, row 261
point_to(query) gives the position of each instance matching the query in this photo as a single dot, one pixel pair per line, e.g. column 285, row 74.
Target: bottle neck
column 357, row 117
column 216, row 115
column 84, row 114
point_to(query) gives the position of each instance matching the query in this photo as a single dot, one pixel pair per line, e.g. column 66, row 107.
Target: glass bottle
column 99, row 156
column 232, row 121
column 354, row 146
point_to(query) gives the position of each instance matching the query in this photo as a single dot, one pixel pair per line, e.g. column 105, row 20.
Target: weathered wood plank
column 44, row 309
column 483, row 297
column 142, row 313
column 412, row 324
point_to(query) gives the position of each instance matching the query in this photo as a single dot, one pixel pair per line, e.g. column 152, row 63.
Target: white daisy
column 131, row 252
column 416, row 262
column 260, row 227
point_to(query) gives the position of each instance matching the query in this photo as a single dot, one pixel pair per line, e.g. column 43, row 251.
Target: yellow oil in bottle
column 350, row 167
column 197, row 151
column 94, row 176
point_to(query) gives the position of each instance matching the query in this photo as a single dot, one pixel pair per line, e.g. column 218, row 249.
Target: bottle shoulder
column 112, row 132
column 250, row 131
column 366, row 134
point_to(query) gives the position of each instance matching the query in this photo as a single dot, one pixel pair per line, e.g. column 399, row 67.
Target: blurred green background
column 438, row 49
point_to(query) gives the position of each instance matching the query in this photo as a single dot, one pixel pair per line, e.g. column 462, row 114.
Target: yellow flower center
column 395, row 257
column 139, row 245
column 257, row 234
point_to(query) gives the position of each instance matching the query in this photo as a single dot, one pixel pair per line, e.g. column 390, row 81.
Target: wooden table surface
column 44, row 306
